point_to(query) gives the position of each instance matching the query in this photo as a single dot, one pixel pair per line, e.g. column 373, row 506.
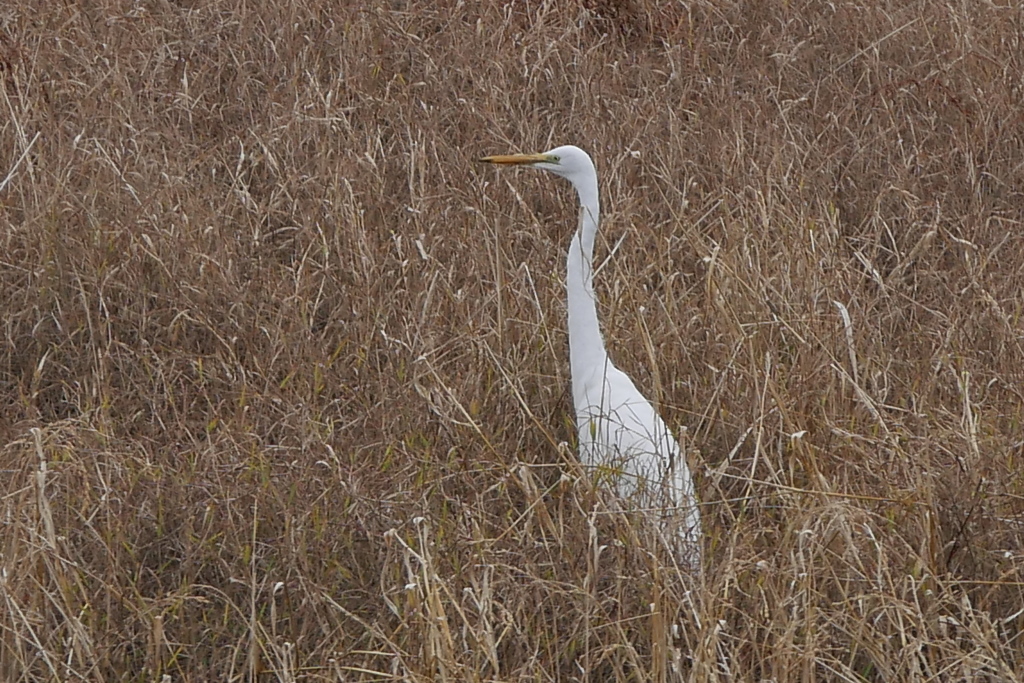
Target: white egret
column 619, row 431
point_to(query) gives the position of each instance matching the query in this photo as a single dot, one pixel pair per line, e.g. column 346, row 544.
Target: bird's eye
column 554, row 159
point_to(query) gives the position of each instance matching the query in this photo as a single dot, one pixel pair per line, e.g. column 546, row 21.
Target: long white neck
column 586, row 347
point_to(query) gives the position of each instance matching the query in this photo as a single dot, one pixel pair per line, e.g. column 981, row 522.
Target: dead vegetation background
column 284, row 372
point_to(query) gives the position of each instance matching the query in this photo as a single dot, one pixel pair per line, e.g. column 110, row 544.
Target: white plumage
column 620, row 433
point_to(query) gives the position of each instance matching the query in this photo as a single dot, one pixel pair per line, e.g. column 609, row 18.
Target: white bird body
column 620, row 434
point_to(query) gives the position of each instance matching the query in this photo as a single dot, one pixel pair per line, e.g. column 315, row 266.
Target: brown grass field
column 284, row 372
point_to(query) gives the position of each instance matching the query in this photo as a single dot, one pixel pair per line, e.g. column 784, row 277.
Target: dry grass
column 284, row 373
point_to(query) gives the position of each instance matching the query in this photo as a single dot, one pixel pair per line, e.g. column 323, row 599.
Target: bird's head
column 568, row 161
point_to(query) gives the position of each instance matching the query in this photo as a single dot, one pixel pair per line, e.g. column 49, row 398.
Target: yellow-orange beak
column 515, row 159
